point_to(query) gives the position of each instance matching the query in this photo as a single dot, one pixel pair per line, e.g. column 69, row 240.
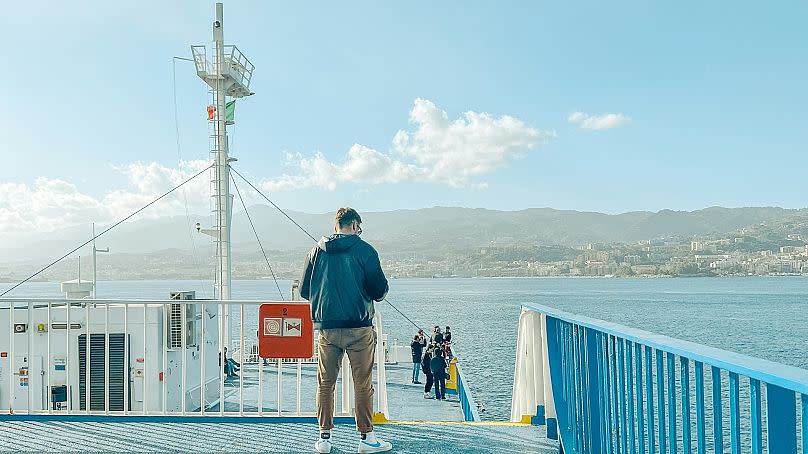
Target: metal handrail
column 783, row 375
column 199, row 385
column 606, row 388
column 467, row 402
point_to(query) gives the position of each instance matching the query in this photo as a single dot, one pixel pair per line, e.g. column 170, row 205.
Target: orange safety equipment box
column 285, row 330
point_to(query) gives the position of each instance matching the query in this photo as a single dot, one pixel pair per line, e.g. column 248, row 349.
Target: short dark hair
column 346, row 216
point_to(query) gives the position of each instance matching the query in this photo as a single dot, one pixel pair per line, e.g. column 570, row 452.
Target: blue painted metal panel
column 576, row 381
column 671, row 402
column 649, row 389
column 782, row 429
column 734, row 414
column 718, row 429
column 602, row 401
column 605, row 393
column 615, row 401
column 594, row 397
column 555, row 345
column 701, row 436
column 630, row 401
column 755, row 399
column 660, row 381
column 640, row 414
column 684, row 366
column 621, row 376
column 804, row 405
column 598, row 374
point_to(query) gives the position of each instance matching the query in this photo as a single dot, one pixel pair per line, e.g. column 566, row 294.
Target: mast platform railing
column 151, row 358
column 601, row 387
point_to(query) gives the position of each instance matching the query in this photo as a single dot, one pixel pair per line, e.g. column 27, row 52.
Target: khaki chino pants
column 332, row 344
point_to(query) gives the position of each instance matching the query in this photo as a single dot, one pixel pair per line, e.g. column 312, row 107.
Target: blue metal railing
column 617, row 389
column 467, row 403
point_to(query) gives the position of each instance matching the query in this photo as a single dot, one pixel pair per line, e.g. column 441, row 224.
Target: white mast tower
column 229, row 74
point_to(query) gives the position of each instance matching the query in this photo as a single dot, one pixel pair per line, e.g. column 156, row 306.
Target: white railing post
column 381, row 372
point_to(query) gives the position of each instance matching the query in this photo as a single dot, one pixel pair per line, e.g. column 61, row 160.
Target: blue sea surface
column 766, row 317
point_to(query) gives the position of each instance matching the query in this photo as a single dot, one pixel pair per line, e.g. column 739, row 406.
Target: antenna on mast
column 228, row 74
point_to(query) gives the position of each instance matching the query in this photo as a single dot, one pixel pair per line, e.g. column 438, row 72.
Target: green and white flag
column 230, row 112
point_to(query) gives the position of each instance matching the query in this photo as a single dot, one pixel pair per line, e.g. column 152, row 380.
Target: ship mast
column 229, row 74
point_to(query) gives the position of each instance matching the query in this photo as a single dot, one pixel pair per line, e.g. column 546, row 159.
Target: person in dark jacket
column 437, row 336
column 342, row 278
column 417, row 355
column 438, row 367
column 427, row 371
column 447, row 336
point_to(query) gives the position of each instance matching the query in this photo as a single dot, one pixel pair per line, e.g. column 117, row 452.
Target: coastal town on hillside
column 755, row 251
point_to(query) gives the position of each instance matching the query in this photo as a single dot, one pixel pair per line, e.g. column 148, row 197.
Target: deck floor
column 63, row 436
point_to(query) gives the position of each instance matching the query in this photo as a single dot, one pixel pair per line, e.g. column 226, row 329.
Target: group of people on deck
column 433, row 358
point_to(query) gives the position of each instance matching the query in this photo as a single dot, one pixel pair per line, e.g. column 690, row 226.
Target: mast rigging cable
column 249, row 218
column 306, row 232
column 105, row 231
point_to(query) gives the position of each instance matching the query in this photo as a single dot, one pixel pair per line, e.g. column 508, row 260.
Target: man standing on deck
column 342, row 277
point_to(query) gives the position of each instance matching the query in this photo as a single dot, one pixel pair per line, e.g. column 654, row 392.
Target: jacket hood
column 337, row 243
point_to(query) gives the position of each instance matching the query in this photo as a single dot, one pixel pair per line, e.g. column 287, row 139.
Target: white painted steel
column 381, row 380
column 48, row 366
column 299, row 382
column 87, row 384
column 346, row 385
column 241, row 382
column 106, row 356
column 531, row 381
column 127, row 364
column 11, row 355
column 280, row 386
column 146, row 345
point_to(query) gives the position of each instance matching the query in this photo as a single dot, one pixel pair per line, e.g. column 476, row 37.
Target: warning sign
column 286, row 330
column 292, row 327
column 272, row 327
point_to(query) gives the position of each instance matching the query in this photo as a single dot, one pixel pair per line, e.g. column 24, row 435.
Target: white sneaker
column 371, row 443
column 427, row 395
column 322, row 445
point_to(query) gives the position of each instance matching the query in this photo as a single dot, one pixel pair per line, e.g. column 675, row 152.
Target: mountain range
column 427, row 231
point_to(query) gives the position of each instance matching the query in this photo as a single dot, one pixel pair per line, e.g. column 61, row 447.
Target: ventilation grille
column 117, row 371
column 174, row 326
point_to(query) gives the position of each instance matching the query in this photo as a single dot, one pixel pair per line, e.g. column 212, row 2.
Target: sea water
column 766, row 317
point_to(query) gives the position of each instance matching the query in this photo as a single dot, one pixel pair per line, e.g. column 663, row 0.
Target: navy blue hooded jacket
column 342, row 277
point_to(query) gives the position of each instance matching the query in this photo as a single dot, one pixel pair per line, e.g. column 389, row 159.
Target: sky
column 597, row 106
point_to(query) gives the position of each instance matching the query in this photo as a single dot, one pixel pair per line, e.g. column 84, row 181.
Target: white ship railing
column 166, row 369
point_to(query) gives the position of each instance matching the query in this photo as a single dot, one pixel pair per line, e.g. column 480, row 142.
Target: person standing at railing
column 342, row 278
column 417, row 346
column 427, row 371
column 438, row 367
column 437, row 336
column 447, row 341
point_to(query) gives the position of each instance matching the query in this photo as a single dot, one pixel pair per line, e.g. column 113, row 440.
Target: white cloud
column 438, row 150
column 606, row 121
column 51, row 204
